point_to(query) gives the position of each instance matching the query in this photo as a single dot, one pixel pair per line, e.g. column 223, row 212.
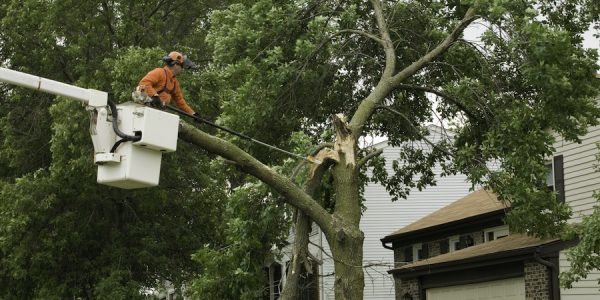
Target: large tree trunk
column 346, row 239
column 348, row 255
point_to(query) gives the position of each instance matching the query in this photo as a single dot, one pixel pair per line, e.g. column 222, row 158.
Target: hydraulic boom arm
column 91, row 97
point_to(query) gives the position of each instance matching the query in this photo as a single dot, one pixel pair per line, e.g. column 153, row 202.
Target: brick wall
column 537, row 281
column 399, row 259
column 407, row 287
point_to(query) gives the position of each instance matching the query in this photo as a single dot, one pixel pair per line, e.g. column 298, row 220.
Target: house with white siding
column 456, row 253
column 580, row 182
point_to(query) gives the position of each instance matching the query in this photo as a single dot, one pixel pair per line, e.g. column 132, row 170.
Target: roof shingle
column 476, row 203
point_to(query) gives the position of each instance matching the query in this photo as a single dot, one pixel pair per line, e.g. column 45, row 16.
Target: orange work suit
column 161, row 81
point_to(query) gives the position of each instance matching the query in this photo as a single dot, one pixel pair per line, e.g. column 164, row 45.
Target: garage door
column 506, row 289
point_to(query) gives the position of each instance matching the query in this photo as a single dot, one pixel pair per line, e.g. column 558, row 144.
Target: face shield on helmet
column 180, row 59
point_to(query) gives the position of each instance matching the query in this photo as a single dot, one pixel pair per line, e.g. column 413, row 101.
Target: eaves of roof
column 490, row 219
column 512, row 248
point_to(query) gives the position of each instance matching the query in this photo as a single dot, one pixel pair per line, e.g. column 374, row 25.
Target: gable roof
column 508, row 247
column 474, row 204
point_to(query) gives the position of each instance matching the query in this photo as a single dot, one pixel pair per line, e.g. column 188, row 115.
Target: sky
column 590, row 41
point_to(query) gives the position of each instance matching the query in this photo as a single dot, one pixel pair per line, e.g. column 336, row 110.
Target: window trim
column 556, row 164
column 416, row 248
column 498, row 231
column 452, row 241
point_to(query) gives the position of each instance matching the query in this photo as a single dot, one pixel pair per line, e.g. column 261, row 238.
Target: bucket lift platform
column 133, row 164
column 126, row 164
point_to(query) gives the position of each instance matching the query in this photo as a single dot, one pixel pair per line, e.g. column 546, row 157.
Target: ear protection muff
column 174, row 57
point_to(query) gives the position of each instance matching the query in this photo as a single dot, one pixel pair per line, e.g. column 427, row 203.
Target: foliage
column 273, row 69
column 525, row 78
column 61, row 234
column 256, row 222
column 233, row 269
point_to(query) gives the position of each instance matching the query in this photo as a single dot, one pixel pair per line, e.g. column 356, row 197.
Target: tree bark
column 346, row 239
column 291, row 289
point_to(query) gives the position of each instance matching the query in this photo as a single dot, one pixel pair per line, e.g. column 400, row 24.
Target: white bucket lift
column 126, row 165
column 133, row 164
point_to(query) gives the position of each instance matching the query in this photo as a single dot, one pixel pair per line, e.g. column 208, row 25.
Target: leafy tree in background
column 61, row 234
column 276, row 70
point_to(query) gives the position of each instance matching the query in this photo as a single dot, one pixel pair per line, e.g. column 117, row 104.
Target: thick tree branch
column 387, row 84
column 303, row 225
column 437, row 51
column 368, row 157
column 388, row 46
column 292, row 194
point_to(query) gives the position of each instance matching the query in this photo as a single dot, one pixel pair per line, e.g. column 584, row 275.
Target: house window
column 309, row 282
column 555, row 178
column 465, row 241
column 454, row 243
column 417, row 252
column 408, row 254
column 274, row 289
column 444, row 246
column 423, row 252
column 550, row 176
column 495, row 233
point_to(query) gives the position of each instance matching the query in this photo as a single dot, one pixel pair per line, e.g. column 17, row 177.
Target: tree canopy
column 280, row 71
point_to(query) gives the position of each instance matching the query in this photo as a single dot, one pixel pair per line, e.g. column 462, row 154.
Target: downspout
column 554, row 290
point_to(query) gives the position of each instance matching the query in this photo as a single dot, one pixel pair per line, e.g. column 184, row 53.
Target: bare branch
column 388, row 46
column 437, row 51
column 368, row 157
column 450, row 98
column 366, row 34
column 423, row 137
column 432, row 144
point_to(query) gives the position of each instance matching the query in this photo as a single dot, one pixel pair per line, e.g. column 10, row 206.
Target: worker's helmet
column 179, row 58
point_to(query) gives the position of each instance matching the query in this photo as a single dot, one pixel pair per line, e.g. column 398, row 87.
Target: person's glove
column 156, row 102
column 197, row 118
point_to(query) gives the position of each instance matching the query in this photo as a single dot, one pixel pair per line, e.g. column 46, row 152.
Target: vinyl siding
column 581, row 180
column 383, row 216
column 585, row 289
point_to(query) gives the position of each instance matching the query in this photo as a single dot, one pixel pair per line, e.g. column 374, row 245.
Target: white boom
column 91, row 97
column 128, row 139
